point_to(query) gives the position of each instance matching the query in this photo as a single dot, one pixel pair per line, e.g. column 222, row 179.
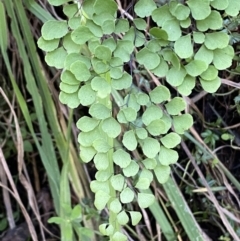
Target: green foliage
column 210, row 138
column 187, row 45
column 75, row 216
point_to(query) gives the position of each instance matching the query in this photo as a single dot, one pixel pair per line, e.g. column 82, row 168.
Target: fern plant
column 187, row 45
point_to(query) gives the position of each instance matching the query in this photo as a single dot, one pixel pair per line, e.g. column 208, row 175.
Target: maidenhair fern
column 187, row 45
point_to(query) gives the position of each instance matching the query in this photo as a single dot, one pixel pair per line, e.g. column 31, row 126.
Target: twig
column 211, row 195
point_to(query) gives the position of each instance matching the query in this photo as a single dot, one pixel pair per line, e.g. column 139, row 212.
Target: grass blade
column 63, row 143
column 161, row 219
column 46, row 150
column 37, row 10
column 183, row 211
column 49, row 106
